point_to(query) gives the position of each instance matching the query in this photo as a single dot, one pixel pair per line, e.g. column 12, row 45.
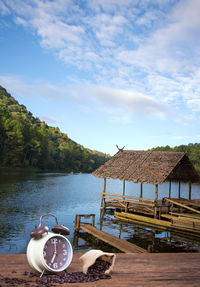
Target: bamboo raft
column 179, row 224
column 158, row 269
column 120, row 244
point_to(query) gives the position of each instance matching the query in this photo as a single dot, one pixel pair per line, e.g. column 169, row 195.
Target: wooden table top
column 139, row 269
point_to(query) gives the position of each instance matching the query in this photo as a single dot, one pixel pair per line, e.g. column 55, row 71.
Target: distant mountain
column 192, row 151
column 27, row 141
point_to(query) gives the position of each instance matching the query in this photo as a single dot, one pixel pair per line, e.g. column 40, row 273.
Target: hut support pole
column 179, row 193
column 103, row 201
column 179, row 189
column 124, row 188
column 141, row 190
column 170, row 188
column 156, row 199
column 190, row 191
column 126, row 206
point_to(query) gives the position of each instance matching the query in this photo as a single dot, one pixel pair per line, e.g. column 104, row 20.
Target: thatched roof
column 153, row 167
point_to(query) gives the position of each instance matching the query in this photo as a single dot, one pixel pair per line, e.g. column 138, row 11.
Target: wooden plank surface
column 118, row 243
column 144, row 269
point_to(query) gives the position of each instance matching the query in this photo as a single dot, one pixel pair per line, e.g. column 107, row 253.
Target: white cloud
column 44, row 91
column 3, row 8
column 117, row 104
column 194, row 104
column 146, row 53
column 127, row 103
column 168, row 49
column 107, row 27
column 50, row 120
column 120, row 105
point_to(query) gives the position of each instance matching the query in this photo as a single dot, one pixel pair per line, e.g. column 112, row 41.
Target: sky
column 106, row 72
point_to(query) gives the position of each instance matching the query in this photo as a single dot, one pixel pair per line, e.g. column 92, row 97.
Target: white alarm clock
column 49, row 252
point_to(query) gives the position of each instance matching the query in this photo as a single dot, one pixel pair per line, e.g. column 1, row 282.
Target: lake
column 25, row 196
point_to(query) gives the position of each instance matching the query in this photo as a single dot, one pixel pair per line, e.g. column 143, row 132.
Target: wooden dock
column 120, row 244
column 138, row 270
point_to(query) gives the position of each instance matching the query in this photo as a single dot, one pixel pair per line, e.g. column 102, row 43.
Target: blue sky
column 106, row 72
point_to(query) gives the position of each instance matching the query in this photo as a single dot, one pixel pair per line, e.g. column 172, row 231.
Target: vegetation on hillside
column 27, row 141
column 192, row 151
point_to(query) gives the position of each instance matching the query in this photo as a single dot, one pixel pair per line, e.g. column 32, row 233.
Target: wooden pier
column 120, row 244
column 138, row 270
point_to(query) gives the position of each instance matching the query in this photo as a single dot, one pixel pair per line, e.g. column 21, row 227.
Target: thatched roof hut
column 153, row 167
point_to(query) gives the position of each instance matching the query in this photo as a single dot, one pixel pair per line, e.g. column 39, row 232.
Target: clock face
column 55, row 253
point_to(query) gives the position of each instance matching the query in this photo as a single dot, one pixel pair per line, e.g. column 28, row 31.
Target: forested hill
column 27, row 141
column 192, row 151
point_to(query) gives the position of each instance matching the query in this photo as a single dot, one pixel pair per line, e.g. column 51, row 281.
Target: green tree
column 26, row 141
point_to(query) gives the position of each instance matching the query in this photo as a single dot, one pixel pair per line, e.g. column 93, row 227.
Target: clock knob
column 61, row 229
column 37, row 232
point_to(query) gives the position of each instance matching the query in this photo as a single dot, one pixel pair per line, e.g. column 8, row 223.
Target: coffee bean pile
column 95, row 272
column 99, row 267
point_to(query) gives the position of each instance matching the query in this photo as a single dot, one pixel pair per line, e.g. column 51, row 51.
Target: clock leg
column 42, row 273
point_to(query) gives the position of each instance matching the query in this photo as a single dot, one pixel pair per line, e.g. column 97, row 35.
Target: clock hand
column 53, row 258
column 55, row 247
column 55, row 253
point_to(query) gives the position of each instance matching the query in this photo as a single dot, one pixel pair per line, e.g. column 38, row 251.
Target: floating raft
column 144, row 269
column 161, row 224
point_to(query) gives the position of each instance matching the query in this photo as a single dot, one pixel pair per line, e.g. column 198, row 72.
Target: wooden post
column 102, row 211
column 77, row 222
column 179, row 189
column 124, row 198
column 126, row 207
column 93, row 219
column 124, row 192
column 141, row 190
column 179, row 194
column 156, row 199
column 171, row 207
column 190, row 191
column 124, row 188
column 103, row 203
column 156, row 193
column 170, row 187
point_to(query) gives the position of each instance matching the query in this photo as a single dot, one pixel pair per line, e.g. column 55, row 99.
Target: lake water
column 25, row 196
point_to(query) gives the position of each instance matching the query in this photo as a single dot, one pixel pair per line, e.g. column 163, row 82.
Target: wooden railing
column 184, row 204
column 128, row 203
column 85, row 216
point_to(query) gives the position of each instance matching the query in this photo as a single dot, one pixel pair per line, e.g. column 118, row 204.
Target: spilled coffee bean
column 99, row 267
column 95, row 272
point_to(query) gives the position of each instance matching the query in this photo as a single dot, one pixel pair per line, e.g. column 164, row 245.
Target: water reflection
column 24, row 197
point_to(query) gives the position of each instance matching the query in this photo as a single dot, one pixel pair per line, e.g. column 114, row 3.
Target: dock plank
column 138, row 270
column 118, row 243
